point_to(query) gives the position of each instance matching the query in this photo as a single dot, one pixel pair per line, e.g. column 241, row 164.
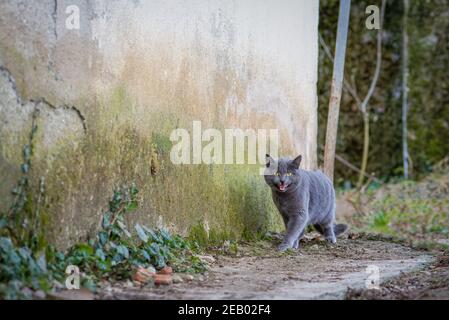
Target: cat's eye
column 277, row 174
column 289, row 174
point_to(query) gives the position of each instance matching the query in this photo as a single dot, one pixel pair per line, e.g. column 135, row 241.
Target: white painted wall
column 139, row 67
column 270, row 45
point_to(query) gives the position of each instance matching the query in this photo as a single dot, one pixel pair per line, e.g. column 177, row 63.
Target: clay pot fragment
column 163, row 279
column 144, row 275
column 166, row 270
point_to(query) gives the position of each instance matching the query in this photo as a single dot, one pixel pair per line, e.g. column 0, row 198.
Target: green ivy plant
column 116, row 251
column 23, row 251
column 113, row 254
column 28, row 264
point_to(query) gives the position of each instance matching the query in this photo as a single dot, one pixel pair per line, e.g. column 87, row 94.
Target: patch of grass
column 380, row 222
column 410, row 217
column 162, row 143
column 417, row 211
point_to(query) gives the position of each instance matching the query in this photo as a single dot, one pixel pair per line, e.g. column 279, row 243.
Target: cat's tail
column 338, row 229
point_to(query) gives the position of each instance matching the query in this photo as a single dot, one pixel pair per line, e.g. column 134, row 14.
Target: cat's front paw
column 283, row 247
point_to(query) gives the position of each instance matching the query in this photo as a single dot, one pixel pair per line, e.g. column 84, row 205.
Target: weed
column 417, row 211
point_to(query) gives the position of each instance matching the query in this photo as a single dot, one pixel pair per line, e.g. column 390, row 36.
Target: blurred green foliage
column 415, row 211
column 428, row 87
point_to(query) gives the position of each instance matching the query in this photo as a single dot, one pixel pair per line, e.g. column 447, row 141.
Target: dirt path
column 316, row 271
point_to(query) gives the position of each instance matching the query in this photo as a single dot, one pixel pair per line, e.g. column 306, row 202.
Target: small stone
column 103, row 284
column 166, row 270
column 163, row 279
column 58, row 285
column 353, row 236
column 27, row 292
column 143, row 275
column 149, row 284
column 177, row 279
column 39, row 294
column 108, row 289
column 188, row 277
column 206, row 259
column 138, row 277
column 200, row 278
column 151, row 270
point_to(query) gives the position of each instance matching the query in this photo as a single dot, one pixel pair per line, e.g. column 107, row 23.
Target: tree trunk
column 405, row 73
column 364, row 107
column 337, row 80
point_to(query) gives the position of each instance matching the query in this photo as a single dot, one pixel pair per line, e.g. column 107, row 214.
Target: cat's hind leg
column 328, row 231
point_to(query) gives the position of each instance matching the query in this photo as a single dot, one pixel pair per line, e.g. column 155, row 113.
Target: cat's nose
column 282, row 180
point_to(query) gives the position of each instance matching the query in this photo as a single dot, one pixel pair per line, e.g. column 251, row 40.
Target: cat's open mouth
column 282, row 187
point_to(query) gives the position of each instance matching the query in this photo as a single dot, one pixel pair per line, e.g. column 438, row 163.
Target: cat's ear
column 269, row 160
column 296, row 162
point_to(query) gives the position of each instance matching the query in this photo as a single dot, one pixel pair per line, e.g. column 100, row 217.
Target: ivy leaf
column 145, row 255
column 100, row 254
column 24, row 252
column 89, row 284
column 3, row 222
column 123, row 227
column 34, row 268
column 123, row 251
column 112, row 245
column 14, row 258
column 152, row 234
column 42, row 263
column 132, row 205
column 105, row 266
column 60, row 256
column 84, row 249
column 26, row 151
column 165, row 235
column 102, row 237
column 160, row 262
column 141, row 233
column 153, row 249
column 106, row 224
column 5, row 244
column 116, row 259
column 25, row 168
column 134, row 190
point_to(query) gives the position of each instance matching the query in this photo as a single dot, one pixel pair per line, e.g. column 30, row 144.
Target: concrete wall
column 110, row 93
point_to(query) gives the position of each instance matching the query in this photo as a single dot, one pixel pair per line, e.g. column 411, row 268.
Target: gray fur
column 303, row 198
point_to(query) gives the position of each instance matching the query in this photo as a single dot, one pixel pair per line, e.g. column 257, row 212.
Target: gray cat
column 303, row 198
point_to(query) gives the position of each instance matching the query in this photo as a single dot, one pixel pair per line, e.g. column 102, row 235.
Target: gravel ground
column 316, row 271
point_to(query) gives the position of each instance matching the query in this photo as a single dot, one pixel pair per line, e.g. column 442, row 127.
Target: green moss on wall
column 211, row 203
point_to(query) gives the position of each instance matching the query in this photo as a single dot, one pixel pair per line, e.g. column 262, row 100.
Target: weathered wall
column 110, row 93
